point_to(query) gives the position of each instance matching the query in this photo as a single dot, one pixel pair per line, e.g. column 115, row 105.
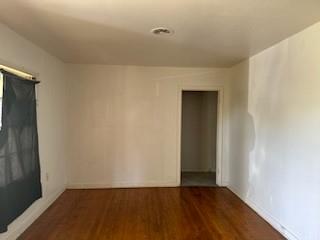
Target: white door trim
column 219, row 147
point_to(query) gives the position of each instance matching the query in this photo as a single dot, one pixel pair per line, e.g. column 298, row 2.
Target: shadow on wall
column 242, row 140
column 257, row 121
column 267, row 101
column 274, row 152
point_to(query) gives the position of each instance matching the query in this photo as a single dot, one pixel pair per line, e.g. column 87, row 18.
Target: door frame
column 219, row 142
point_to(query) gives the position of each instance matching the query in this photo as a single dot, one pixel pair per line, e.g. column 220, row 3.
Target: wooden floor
column 150, row 213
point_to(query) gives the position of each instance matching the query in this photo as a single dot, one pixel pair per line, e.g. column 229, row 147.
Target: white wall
column 199, row 131
column 20, row 53
column 123, row 123
column 275, row 129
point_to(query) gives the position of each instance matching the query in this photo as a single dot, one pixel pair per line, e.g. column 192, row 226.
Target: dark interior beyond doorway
column 198, row 138
column 198, row 179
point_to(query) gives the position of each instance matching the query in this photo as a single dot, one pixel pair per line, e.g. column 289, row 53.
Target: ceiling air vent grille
column 162, row 31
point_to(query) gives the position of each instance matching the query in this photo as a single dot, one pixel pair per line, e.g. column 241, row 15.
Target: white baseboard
column 224, row 184
column 18, row 228
column 121, row 185
column 268, row 217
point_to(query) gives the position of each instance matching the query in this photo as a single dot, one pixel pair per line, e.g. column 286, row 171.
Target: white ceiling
column 208, row 33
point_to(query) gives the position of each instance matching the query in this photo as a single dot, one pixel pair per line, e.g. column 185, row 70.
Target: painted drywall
column 17, row 52
column 274, row 134
column 123, row 123
column 199, row 131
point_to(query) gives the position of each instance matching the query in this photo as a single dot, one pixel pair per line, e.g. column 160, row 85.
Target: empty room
column 160, row 120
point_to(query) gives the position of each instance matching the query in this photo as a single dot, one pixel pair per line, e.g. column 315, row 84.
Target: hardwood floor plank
column 186, row 213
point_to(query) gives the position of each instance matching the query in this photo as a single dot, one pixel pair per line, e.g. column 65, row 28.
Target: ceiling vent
column 163, row 31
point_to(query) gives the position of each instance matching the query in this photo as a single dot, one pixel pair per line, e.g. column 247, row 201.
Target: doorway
column 199, row 128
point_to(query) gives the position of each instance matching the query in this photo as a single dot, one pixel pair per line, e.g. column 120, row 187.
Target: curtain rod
column 18, row 73
column 21, row 78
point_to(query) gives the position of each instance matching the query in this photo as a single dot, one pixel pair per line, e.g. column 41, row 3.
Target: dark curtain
column 19, row 154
